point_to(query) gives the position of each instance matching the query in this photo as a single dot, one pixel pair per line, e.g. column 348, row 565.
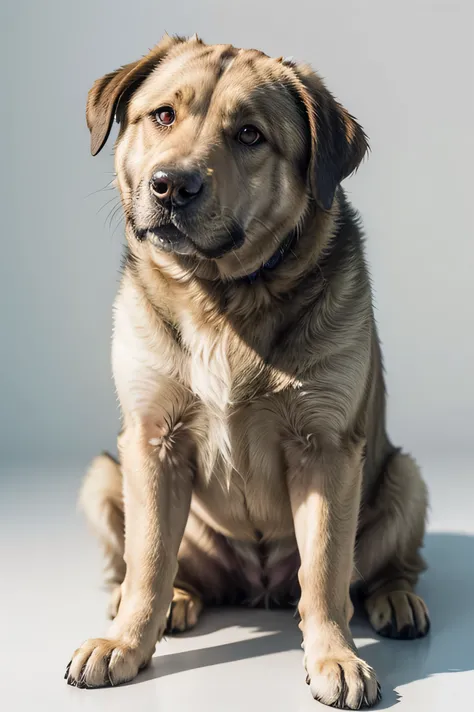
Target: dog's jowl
column 254, row 463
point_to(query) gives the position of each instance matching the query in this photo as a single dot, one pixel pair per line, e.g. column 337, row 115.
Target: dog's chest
column 219, row 365
column 223, row 374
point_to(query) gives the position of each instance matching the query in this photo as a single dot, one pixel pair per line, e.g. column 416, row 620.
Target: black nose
column 176, row 187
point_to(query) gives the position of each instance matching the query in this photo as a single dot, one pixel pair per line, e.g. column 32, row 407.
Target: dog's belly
column 227, row 559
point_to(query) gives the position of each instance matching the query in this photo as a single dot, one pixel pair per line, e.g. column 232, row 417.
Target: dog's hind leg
column 101, row 499
column 388, row 561
column 184, row 611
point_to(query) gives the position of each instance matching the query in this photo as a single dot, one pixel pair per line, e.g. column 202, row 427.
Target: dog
column 254, row 465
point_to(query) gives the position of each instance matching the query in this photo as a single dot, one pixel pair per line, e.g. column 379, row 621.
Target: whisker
column 99, row 190
column 120, row 222
column 113, row 212
column 115, row 198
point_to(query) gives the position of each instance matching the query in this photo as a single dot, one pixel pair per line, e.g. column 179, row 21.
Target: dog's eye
column 165, row 115
column 249, row 136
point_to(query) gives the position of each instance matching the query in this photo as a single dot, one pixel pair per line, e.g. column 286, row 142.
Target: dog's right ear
column 106, row 93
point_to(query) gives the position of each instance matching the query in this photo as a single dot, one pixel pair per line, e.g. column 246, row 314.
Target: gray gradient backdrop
column 404, row 68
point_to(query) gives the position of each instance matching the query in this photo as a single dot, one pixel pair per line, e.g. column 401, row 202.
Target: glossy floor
column 236, row 659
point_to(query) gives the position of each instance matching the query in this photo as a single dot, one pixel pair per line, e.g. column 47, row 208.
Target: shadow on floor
column 447, row 588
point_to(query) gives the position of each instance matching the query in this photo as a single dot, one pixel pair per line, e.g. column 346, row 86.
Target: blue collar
column 275, row 259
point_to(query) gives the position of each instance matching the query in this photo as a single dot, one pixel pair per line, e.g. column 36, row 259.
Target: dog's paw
column 344, row 682
column 398, row 614
column 183, row 612
column 100, row 661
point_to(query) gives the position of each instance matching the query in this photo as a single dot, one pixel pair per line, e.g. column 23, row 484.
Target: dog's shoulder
column 146, row 346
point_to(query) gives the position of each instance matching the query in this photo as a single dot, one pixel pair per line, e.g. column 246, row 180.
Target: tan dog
column 254, row 463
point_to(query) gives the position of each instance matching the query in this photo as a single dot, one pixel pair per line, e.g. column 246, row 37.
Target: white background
column 404, row 69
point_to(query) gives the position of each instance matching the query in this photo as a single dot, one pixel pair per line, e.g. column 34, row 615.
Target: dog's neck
column 276, row 259
column 298, row 253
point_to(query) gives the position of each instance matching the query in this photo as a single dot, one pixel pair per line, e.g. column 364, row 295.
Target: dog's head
column 221, row 151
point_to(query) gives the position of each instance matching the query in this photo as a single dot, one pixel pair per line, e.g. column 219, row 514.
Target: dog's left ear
column 338, row 142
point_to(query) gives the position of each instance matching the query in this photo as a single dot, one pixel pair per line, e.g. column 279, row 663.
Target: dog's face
column 222, row 151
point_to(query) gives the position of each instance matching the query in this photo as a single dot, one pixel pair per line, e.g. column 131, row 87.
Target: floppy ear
column 338, row 143
column 106, row 93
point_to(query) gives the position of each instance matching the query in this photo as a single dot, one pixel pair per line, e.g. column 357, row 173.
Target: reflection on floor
column 235, row 659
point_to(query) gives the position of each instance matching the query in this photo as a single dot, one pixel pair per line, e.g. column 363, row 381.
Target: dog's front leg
column 324, row 489
column 157, row 466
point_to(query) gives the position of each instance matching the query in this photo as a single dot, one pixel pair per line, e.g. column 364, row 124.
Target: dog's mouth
column 170, row 238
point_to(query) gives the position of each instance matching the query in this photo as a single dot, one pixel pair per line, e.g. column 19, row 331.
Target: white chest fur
column 210, row 379
column 209, row 369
